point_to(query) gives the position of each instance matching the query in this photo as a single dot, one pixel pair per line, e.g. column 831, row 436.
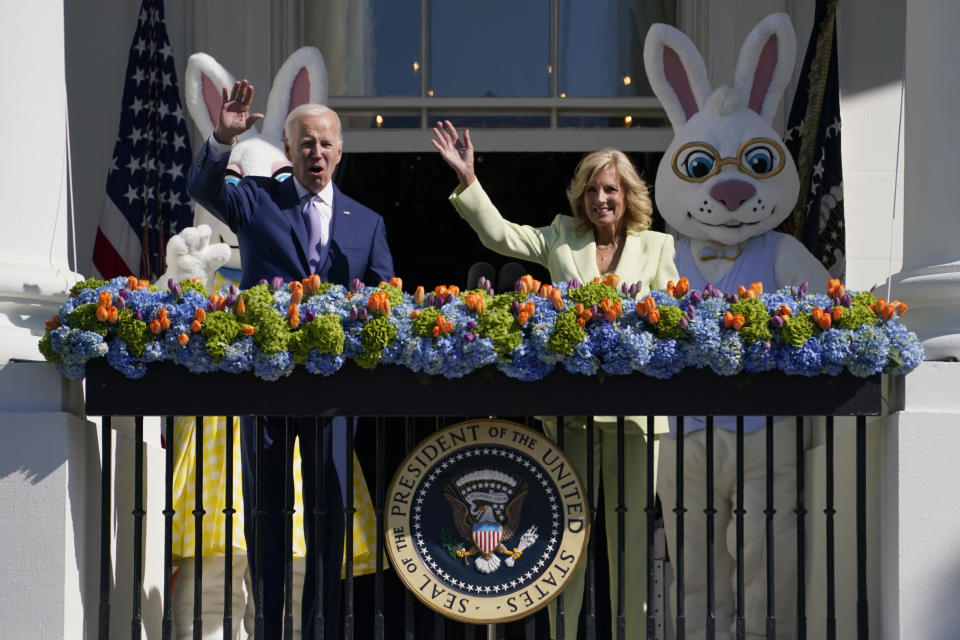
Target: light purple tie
column 311, row 215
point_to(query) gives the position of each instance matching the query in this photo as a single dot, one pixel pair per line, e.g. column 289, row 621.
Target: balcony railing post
column 166, row 631
column 198, row 531
column 680, row 510
column 228, row 512
column 711, row 512
column 288, row 439
column 801, row 512
column 348, row 511
column 863, row 620
column 650, row 511
column 106, row 472
column 741, row 627
column 378, row 623
column 136, row 623
column 258, row 514
column 769, row 512
column 831, row 549
column 621, row 630
column 561, row 614
column 591, row 613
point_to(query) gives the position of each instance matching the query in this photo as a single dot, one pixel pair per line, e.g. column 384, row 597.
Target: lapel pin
column 345, row 212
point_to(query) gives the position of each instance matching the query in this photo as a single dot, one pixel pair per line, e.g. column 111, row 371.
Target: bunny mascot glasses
column 759, row 158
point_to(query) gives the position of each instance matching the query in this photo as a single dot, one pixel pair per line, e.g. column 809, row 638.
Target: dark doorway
column 430, row 243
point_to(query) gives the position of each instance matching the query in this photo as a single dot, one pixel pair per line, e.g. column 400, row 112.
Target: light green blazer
column 647, row 256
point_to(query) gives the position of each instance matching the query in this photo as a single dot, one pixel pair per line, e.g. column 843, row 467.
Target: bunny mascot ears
column 301, row 79
column 678, row 75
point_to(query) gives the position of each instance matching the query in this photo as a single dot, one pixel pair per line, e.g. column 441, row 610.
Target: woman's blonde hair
column 639, row 210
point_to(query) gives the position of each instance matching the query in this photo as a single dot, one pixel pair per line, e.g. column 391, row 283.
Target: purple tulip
column 447, row 299
column 428, row 299
column 309, row 315
column 263, row 281
column 574, row 283
column 776, row 322
column 766, row 345
column 171, row 283
column 471, row 325
column 469, row 337
column 803, row 287
column 354, row 314
column 231, row 300
column 276, row 283
column 515, row 307
column 684, row 322
column 695, row 297
column 233, row 290
column 121, row 302
column 124, row 293
column 356, row 284
column 138, row 315
column 624, row 289
column 845, row 300
column 211, row 307
column 636, row 287
column 490, row 291
column 594, row 309
column 363, row 314
column 176, row 290
column 518, row 285
column 691, row 311
column 794, row 292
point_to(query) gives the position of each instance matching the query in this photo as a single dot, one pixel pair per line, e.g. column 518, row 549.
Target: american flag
column 146, row 201
column 813, row 137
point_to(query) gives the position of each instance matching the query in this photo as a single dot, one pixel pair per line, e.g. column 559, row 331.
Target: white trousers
column 635, row 500
column 754, row 543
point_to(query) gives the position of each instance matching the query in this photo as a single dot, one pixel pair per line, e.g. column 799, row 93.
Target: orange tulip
column 454, row 290
column 834, row 288
column 373, row 303
column 653, row 316
column 683, row 286
column 612, row 280
column 557, row 299
column 183, row 339
column 102, row 313
column 435, row 331
column 522, row 318
column 241, row 308
column 296, row 296
column 113, row 314
column 415, row 313
column 53, row 322
column 784, row 311
column 546, row 290
column 132, row 282
column 200, row 315
column 155, row 327
column 105, row 299
column 143, row 284
column 248, row 329
column 900, row 306
column 418, row 295
column 836, row 313
column 887, row 313
column 440, row 290
column 396, row 282
column 195, row 326
column 294, row 321
column 581, row 322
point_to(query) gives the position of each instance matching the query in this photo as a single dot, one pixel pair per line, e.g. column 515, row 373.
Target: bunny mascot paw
column 726, row 180
column 190, row 255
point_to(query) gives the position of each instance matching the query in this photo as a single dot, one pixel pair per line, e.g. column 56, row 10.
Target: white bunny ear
column 676, row 72
column 301, row 79
column 766, row 63
column 205, row 80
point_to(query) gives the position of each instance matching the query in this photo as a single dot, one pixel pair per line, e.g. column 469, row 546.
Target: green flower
column 375, row 335
column 221, row 329
column 394, row 294
column 136, row 333
column 423, row 324
column 46, row 349
column 567, row 334
column 757, row 319
column 189, row 285
column 859, row 313
column 272, row 331
column 593, row 293
column 501, row 327
column 669, row 326
column 798, row 329
column 324, row 333
column 89, row 283
column 84, row 318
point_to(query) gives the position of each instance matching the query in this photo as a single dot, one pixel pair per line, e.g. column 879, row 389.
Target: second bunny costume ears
column 301, row 79
column 678, row 75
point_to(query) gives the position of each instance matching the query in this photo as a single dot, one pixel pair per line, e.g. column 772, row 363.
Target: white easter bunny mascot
column 725, row 182
column 301, row 79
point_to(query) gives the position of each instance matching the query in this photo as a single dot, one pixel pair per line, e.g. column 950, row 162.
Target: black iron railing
column 394, row 392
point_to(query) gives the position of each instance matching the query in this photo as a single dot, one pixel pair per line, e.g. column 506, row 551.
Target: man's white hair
column 310, row 109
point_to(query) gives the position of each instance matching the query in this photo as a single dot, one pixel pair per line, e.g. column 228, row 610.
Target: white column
column 930, row 279
column 34, row 275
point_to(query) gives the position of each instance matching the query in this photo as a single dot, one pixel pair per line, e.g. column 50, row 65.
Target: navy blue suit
column 267, row 217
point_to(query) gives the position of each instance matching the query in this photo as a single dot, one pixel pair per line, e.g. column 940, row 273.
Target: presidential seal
column 487, row 521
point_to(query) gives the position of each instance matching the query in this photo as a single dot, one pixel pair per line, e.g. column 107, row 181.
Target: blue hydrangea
column 273, row 366
column 762, row 356
column 835, row 345
column 324, row 364
column 906, row 343
column 869, row 351
column 805, row 361
column 665, row 360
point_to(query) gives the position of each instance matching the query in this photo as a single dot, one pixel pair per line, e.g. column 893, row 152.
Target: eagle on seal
column 486, row 506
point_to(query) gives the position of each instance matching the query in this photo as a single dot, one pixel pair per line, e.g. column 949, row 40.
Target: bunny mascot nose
column 732, row 193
